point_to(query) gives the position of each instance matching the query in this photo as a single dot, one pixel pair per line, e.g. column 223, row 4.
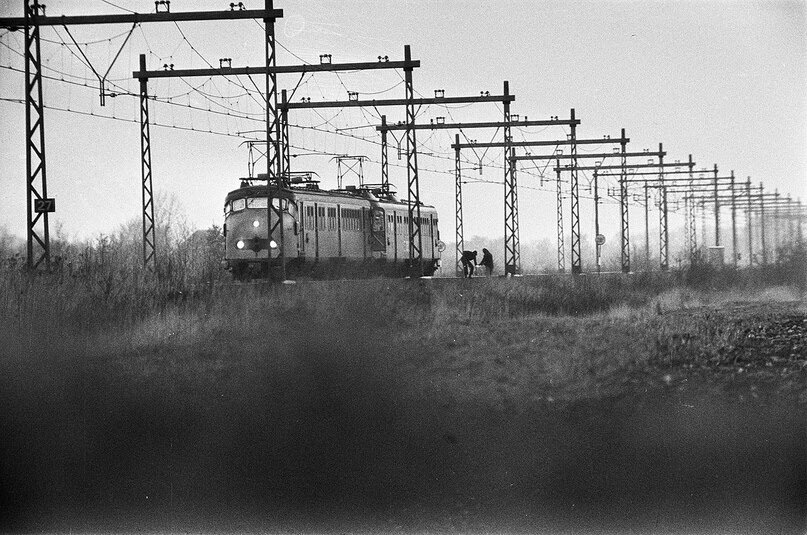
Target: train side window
column 239, row 204
column 309, row 217
column 331, row 218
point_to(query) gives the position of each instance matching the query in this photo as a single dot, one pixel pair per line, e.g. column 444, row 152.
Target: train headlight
column 273, row 244
column 240, row 244
column 256, row 223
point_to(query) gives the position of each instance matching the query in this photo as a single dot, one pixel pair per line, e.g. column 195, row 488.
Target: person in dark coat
column 468, row 260
column 487, row 261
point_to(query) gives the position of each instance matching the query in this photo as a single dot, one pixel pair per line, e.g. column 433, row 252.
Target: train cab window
column 239, row 204
column 257, row 202
column 321, row 223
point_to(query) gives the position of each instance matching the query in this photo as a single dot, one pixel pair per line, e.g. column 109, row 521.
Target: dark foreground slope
column 344, row 415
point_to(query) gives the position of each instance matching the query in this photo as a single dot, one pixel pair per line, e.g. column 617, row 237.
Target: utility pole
column 776, row 228
column 597, row 219
column 717, row 211
column 646, row 227
column 687, row 234
column 413, row 182
column 511, row 238
column 664, row 235
column 559, row 197
column 577, row 266
column 762, row 224
column 749, row 215
column 693, row 231
column 274, row 173
column 733, row 222
column 623, row 209
column 385, row 156
column 147, row 195
column 460, row 245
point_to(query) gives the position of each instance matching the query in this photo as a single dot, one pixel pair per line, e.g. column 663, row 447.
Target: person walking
column 468, row 260
column 487, row 262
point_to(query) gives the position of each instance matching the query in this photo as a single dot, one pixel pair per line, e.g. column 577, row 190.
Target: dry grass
column 142, row 402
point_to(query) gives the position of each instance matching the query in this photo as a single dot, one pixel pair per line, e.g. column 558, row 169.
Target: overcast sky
column 723, row 81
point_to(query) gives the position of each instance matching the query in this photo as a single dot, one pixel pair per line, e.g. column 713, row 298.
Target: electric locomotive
column 351, row 232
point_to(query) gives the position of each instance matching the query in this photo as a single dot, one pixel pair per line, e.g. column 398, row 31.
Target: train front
column 249, row 250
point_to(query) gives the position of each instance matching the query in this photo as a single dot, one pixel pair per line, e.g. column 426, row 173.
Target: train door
column 339, row 229
column 378, row 233
column 432, row 238
column 300, row 226
column 364, row 237
column 392, row 239
column 316, row 230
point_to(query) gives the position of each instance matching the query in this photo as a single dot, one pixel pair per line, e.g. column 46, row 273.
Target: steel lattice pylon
column 460, row 245
column 693, row 228
column 717, row 209
column 664, row 236
column 577, row 265
column 750, row 222
column 687, row 236
column 285, row 161
column 647, row 227
column 733, row 221
column 384, row 154
column 623, row 209
column 274, row 158
column 510, row 210
column 762, row 225
column 516, row 233
column 36, row 179
column 415, row 237
column 776, row 242
column 149, row 245
column 561, row 247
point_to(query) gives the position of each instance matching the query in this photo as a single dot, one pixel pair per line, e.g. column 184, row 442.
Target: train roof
column 376, row 195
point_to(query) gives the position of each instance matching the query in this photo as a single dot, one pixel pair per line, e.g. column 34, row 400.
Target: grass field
column 649, row 403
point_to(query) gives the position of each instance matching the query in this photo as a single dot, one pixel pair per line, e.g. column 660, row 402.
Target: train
column 344, row 233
